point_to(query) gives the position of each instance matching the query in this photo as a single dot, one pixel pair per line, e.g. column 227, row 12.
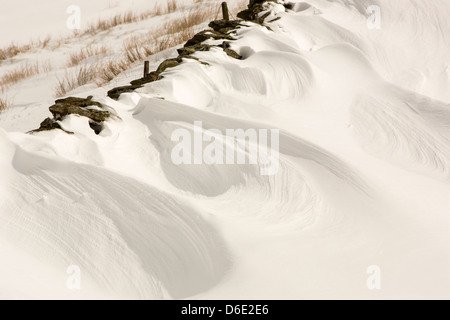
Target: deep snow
column 363, row 179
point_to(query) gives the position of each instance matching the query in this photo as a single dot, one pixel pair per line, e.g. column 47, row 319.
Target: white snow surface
column 364, row 120
column 33, row 21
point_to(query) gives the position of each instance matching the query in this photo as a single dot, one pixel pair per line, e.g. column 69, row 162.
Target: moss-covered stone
column 219, row 31
column 88, row 108
column 186, row 51
column 276, row 19
column 80, row 102
column 138, row 83
column 232, row 53
column 49, row 124
column 46, row 125
column 152, row 76
column 79, row 106
column 255, row 7
column 206, row 35
column 60, row 111
column 170, row 63
column 196, row 59
column 245, row 15
column 255, row 2
column 116, row 92
column 224, row 26
column 261, row 19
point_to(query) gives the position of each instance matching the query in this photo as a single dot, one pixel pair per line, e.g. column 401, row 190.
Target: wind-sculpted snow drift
column 363, row 179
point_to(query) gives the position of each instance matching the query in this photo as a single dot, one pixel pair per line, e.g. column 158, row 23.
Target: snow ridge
column 363, row 173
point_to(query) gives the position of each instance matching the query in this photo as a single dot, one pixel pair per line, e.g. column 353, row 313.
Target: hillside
column 134, row 184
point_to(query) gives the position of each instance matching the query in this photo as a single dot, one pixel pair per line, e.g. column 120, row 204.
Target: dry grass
column 46, row 66
column 82, row 76
column 129, row 17
column 18, row 74
column 172, row 6
column 23, row 72
column 13, row 50
column 101, row 25
column 171, row 34
column 45, row 42
column 4, row 104
column 191, row 19
column 77, row 57
column 136, row 48
column 119, row 19
column 109, row 70
column 139, row 47
column 106, row 24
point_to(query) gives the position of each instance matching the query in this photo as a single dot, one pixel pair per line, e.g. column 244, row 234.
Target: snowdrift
column 363, row 179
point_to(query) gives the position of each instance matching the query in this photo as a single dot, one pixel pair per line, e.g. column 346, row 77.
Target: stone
column 254, row 9
column 261, row 19
column 170, row 63
column 88, row 108
column 60, row 111
column 49, row 124
column 152, row 76
column 232, row 53
column 116, row 92
column 81, row 102
column 96, row 126
column 186, row 51
column 223, row 26
column 205, row 35
column 220, row 29
column 246, row 15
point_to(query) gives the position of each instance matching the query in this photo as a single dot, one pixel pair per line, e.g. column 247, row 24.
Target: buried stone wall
column 219, row 30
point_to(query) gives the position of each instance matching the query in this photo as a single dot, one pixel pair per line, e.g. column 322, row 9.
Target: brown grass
column 18, row 74
column 13, row 50
column 129, row 17
column 108, row 71
column 4, row 104
column 136, row 48
column 191, row 19
column 46, row 66
column 23, row 72
column 45, row 42
column 82, row 76
column 77, row 57
column 106, row 24
column 101, row 25
column 172, row 6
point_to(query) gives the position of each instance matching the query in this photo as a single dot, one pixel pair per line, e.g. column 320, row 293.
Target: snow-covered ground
column 22, row 21
column 29, row 98
column 363, row 181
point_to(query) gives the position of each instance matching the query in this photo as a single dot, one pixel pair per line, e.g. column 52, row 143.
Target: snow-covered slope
column 49, row 18
column 363, row 179
column 32, row 74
